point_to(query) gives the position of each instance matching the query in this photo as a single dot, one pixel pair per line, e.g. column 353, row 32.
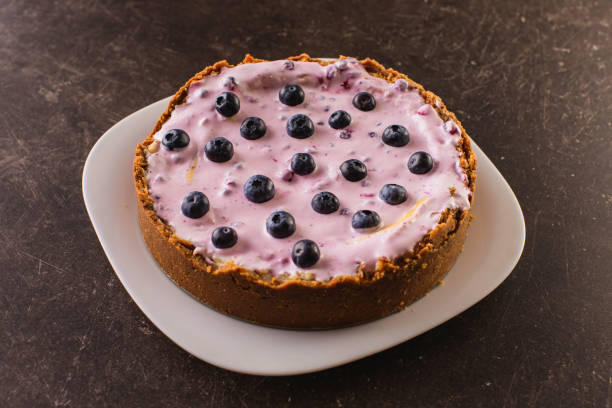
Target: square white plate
column 494, row 245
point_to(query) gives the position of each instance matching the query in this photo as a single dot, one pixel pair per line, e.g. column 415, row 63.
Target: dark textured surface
column 532, row 83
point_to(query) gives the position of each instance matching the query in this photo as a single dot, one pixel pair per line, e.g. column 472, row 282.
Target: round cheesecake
column 304, row 193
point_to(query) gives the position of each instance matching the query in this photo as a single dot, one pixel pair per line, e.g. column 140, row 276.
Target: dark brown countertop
column 532, row 83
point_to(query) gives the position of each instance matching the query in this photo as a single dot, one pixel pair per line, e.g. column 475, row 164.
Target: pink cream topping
column 173, row 174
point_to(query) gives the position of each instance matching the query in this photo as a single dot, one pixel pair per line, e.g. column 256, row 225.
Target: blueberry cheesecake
column 304, row 193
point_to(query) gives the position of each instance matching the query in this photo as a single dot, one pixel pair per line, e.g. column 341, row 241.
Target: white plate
column 494, row 245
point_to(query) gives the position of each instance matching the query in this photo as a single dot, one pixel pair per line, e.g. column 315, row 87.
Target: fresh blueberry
column 420, row 163
column 252, row 128
column 219, row 150
column 396, row 136
column 364, row 101
column 365, row 219
column 325, row 203
column 175, row 139
column 300, row 126
column 288, row 65
column 339, row 119
column 280, row 224
column 224, row 237
column 227, row 104
column 258, row 189
column 305, row 253
column 393, row 194
column 353, row 170
column 302, row 164
column 195, row 205
column 291, row 95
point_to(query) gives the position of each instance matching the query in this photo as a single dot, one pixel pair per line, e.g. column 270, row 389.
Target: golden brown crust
column 299, row 302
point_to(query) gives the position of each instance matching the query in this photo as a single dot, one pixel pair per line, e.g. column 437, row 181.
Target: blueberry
column 396, row 136
column 280, row 224
column 252, row 128
column 393, row 194
column 364, row 101
column 195, row 205
column 291, row 95
column 339, row 119
column 224, row 237
column 227, row 104
column 420, row 163
column 175, row 139
column 365, row 219
column 288, row 65
column 325, row 203
column 219, row 150
column 353, row 170
column 302, row 164
column 258, row 189
column 305, row 253
column 300, row 126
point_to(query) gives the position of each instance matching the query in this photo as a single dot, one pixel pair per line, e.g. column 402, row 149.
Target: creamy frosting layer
column 172, row 174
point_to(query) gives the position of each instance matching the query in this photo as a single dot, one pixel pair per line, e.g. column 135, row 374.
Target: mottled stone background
column 530, row 80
